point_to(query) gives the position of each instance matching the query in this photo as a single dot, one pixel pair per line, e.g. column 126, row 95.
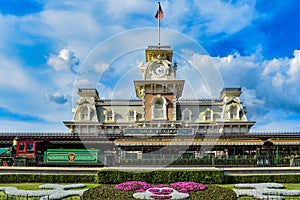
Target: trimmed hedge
column 161, row 176
column 158, row 176
column 199, row 176
column 274, row 178
column 49, row 178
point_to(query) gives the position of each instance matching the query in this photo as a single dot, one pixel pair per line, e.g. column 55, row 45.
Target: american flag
column 159, row 14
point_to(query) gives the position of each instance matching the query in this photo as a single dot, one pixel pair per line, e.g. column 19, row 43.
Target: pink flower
column 189, row 186
column 161, row 185
column 183, row 191
column 132, row 185
column 154, row 190
column 140, row 190
column 166, row 191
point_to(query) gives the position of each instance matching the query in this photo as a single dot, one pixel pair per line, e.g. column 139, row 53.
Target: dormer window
column 208, row 115
column 85, row 113
column 186, row 115
column 132, row 115
column 233, row 112
column 159, row 108
column 109, row 116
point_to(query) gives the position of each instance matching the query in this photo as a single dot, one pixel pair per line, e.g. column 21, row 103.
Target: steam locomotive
column 38, row 153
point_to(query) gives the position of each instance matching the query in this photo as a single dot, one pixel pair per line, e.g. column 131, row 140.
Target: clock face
column 158, row 70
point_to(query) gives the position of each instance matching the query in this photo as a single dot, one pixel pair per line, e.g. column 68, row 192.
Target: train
column 37, row 153
column 41, row 152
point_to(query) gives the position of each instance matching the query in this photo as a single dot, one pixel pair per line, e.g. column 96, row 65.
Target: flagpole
column 158, row 25
column 159, row 15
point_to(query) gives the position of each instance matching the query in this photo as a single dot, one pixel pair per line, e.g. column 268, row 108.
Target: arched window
column 186, row 115
column 85, row 113
column 109, row 116
column 208, row 114
column 132, row 115
column 159, row 108
column 233, row 112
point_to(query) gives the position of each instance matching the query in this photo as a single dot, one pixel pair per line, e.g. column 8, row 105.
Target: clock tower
column 159, row 89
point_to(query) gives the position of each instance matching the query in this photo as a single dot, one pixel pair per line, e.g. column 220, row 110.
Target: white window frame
column 186, row 115
column 208, row 110
column 132, row 118
column 84, row 113
column 163, row 109
column 233, row 112
column 109, row 118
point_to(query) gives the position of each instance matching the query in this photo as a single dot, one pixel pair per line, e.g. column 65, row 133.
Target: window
column 109, row 116
column 159, row 108
column 186, row 115
column 131, row 115
column 85, row 113
column 21, row 147
column 30, row 147
column 233, row 112
column 208, row 115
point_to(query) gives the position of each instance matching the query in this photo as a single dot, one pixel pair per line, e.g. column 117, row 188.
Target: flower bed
column 143, row 190
column 108, row 192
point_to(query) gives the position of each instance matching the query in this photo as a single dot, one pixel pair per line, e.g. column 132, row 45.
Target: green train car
column 5, row 157
column 73, row 157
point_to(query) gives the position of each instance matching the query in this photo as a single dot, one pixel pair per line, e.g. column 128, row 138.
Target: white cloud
column 278, row 81
column 64, row 60
column 250, row 98
column 82, row 83
column 278, row 121
column 294, row 70
column 13, row 76
column 266, row 84
column 120, row 10
column 225, row 16
column 56, row 97
column 200, row 72
column 271, row 66
column 24, row 95
column 100, row 67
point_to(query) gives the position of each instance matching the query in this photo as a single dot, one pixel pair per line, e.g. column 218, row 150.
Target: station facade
column 162, row 127
column 159, row 105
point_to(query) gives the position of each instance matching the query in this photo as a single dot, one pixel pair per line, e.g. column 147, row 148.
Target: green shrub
column 275, row 178
column 161, row 176
column 49, row 178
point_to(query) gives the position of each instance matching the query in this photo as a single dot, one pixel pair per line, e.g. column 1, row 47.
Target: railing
column 230, row 161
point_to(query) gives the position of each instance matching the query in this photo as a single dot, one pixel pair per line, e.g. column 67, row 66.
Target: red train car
column 27, row 152
column 28, row 148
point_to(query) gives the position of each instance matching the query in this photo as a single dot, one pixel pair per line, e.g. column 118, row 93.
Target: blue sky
column 45, row 45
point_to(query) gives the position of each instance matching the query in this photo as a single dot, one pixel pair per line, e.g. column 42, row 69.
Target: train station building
column 161, row 127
